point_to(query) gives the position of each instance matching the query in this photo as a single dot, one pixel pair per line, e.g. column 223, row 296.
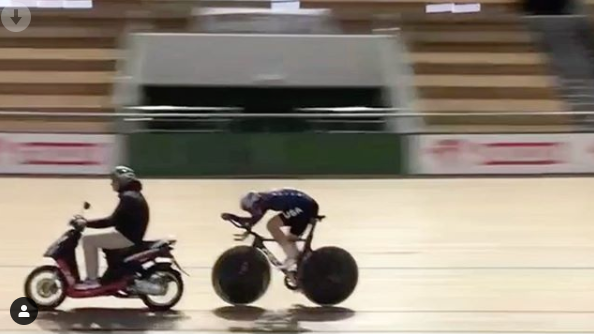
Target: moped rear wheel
column 173, row 286
column 46, row 286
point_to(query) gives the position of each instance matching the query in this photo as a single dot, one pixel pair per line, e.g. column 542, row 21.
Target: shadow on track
column 105, row 319
column 288, row 320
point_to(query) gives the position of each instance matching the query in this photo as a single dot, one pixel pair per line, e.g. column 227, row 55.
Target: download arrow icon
column 16, row 18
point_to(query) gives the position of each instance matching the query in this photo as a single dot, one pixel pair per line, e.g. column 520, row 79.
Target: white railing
column 328, row 120
column 303, row 113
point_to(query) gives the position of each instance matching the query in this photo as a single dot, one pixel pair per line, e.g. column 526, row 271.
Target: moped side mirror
column 87, row 205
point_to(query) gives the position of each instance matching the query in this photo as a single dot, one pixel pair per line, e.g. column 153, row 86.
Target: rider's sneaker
column 88, row 284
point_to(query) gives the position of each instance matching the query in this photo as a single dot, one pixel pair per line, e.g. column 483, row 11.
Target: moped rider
column 129, row 221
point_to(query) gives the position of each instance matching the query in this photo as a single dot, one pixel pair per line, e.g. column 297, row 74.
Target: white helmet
column 248, row 200
column 123, row 175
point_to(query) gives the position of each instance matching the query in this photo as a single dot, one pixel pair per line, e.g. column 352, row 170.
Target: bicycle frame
column 259, row 241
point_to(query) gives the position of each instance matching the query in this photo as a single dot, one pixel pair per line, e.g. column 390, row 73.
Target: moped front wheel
column 46, row 286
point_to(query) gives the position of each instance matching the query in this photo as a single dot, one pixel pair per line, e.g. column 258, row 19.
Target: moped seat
column 131, row 252
column 152, row 244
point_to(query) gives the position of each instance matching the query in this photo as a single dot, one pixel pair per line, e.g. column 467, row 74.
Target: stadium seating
column 66, row 60
column 472, row 62
column 372, row 7
column 464, row 63
column 492, row 65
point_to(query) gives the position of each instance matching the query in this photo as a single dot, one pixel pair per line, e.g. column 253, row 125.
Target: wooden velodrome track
column 476, row 255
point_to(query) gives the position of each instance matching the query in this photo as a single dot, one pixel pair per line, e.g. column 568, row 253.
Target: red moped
column 144, row 271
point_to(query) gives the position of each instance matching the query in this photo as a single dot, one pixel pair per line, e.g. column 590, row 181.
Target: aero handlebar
column 244, row 235
column 248, row 230
column 238, row 225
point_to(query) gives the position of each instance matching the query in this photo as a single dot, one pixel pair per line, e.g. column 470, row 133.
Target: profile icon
column 23, row 311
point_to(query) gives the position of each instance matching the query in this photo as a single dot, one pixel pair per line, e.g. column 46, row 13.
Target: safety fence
column 292, row 154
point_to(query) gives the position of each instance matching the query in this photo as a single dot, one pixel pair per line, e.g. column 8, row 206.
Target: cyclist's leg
column 286, row 242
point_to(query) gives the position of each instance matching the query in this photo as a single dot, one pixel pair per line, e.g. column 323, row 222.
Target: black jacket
column 131, row 216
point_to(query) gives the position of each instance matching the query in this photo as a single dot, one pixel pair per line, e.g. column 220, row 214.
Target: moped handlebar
column 78, row 222
column 75, row 221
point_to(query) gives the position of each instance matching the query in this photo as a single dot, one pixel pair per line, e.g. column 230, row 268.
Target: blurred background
column 194, row 88
column 286, row 89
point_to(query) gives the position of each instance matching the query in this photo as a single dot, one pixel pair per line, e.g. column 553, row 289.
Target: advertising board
column 64, row 154
column 502, row 154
